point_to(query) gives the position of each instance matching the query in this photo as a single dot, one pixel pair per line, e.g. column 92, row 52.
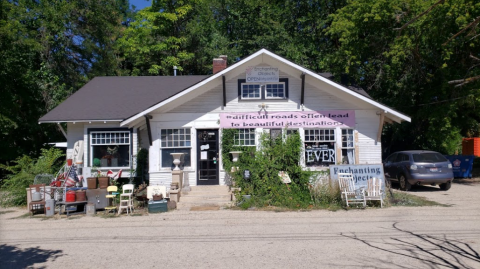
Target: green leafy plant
column 264, row 163
column 22, row 174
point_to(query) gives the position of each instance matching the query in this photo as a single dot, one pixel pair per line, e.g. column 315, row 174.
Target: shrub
column 22, row 174
column 264, row 163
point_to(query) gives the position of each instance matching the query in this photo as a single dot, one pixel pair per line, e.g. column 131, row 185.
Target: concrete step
column 205, row 198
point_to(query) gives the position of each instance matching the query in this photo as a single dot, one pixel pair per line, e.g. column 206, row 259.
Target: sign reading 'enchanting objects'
column 301, row 119
column 361, row 173
column 262, row 74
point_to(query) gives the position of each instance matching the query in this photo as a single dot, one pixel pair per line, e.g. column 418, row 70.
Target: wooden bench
column 349, row 190
column 374, row 190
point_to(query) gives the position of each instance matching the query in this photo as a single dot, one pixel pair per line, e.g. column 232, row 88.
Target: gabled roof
column 118, row 98
column 362, row 95
column 126, row 99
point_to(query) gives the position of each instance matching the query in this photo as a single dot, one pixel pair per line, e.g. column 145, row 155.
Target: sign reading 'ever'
column 301, row 119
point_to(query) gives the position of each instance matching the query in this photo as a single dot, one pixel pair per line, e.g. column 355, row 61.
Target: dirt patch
column 204, row 208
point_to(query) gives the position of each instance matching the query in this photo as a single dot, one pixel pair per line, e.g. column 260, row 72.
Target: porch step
column 205, row 198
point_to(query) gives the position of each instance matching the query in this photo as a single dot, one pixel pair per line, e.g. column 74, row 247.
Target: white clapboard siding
column 75, row 133
column 315, row 99
column 370, row 150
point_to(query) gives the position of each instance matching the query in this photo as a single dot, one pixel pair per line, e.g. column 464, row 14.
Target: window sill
column 168, row 170
column 263, row 100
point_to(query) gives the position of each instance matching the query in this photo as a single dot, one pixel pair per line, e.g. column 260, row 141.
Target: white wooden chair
column 374, row 190
column 349, row 191
column 126, row 198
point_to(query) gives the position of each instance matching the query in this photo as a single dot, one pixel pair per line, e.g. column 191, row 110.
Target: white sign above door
column 262, row 74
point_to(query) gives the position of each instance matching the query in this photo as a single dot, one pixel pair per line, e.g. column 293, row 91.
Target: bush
column 265, row 185
column 22, row 174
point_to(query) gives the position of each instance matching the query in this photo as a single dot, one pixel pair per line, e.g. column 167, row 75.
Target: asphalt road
column 395, row 237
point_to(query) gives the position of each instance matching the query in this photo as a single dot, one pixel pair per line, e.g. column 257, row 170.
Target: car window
column 401, row 157
column 391, row 158
column 430, row 157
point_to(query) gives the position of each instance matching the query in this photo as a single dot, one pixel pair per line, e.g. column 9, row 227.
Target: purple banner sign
column 301, row 119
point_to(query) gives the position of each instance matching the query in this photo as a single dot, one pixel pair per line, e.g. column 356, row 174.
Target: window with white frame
column 251, row 91
column 348, row 146
column 263, row 91
column 275, row 91
column 245, row 137
column 175, row 141
column 320, row 147
column 110, row 148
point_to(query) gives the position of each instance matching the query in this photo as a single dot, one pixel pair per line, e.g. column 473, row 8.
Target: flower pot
column 92, row 182
column 103, row 182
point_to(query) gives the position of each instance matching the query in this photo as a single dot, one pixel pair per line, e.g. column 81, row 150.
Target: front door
column 207, row 157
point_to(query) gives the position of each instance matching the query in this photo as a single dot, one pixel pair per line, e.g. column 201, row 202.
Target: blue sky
column 141, row 4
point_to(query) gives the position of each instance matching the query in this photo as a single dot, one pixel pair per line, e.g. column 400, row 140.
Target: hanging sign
column 262, row 74
column 300, row 119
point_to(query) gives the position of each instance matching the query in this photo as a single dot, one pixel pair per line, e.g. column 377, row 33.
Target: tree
column 48, row 50
column 409, row 69
column 155, row 40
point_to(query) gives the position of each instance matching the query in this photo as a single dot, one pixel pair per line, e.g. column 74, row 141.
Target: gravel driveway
column 395, row 237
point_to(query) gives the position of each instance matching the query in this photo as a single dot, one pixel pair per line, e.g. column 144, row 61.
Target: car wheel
column 404, row 184
column 446, row 186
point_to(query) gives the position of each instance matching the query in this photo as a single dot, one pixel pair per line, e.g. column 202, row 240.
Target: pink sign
column 301, row 119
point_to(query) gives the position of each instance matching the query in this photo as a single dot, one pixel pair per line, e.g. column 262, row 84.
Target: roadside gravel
column 395, row 237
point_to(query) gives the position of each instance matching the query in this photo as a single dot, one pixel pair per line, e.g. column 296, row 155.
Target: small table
column 66, row 204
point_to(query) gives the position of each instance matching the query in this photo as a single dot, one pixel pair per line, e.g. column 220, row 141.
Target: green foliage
column 155, row 40
column 323, row 193
column 48, row 50
column 265, row 185
column 21, row 175
column 409, row 66
column 142, row 163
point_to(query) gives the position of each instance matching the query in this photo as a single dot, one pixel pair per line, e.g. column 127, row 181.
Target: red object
column 69, row 162
column 58, row 183
column 471, row 146
column 70, row 196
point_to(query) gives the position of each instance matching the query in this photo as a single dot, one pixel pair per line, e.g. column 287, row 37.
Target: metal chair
column 37, row 194
column 111, row 195
column 126, row 198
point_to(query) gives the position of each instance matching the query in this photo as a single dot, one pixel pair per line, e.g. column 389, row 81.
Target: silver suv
column 419, row 167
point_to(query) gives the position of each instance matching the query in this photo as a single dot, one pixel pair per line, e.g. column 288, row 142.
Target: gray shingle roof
column 118, row 98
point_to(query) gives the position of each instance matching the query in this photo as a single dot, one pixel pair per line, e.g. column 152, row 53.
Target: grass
column 406, row 199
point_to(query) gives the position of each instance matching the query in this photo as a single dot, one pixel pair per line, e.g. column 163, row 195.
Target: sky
column 140, row 4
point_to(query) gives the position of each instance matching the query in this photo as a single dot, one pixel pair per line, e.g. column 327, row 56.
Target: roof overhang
column 390, row 113
column 80, row 121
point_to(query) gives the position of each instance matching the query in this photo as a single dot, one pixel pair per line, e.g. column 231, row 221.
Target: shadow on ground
column 433, row 251
column 14, row 257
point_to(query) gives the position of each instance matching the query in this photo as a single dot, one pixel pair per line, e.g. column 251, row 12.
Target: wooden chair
column 126, row 198
column 349, row 191
column 37, row 201
column 374, row 190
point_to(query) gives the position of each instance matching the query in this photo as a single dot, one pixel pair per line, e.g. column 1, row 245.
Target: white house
column 115, row 116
